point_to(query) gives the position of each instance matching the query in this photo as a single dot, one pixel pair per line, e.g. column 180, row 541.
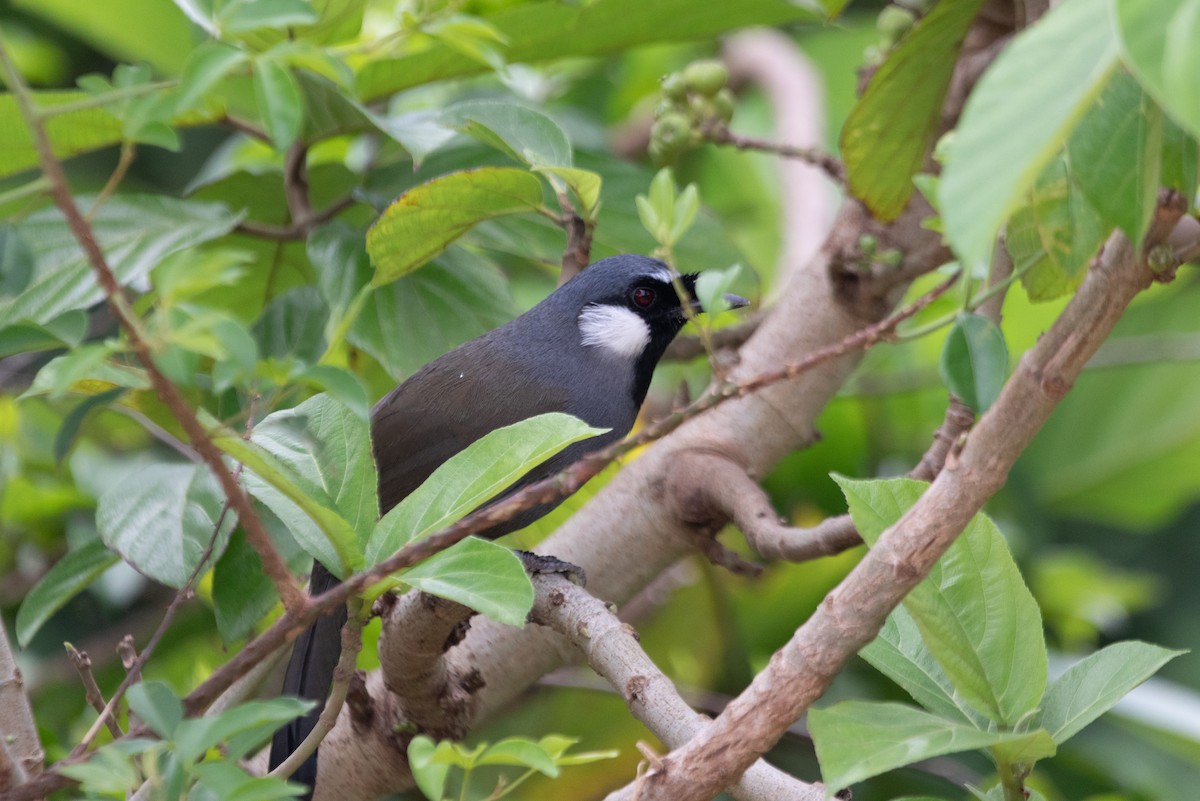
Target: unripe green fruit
column 706, row 77
column 894, row 21
column 673, row 86
column 671, row 129
column 723, row 104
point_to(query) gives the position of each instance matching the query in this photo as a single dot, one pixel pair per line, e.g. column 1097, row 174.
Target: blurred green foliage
column 1100, row 512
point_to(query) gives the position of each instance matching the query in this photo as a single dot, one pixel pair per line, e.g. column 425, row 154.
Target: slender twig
column 35, row 187
column 298, row 229
column 720, row 134
column 273, row 564
column 91, row 690
column 686, row 348
column 124, row 161
column 98, row 101
column 342, row 674
column 578, row 251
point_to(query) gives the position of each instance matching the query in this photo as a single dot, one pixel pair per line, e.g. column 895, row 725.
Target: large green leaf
column 1019, row 114
column 1053, row 237
column 1158, row 41
column 859, row 739
column 480, row 574
column 1089, row 462
column 157, row 705
column 456, row 297
column 541, row 31
column 891, row 127
column 528, row 136
column 163, row 518
column 424, row 220
column 1091, row 686
column 473, row 476
column 974, row 611
column 241, row 728
column 900, row 654
column 312, row 467
column 135, row 231
column 69, row 576
column 1116, row 156
column 125, row 30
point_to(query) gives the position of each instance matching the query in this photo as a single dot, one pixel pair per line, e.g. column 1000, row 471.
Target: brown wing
column 444, row 408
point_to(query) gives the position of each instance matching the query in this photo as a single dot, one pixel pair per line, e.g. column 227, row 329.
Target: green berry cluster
column 694, row 100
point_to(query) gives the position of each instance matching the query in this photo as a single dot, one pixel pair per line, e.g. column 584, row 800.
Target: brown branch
column 853, row 613
column 719, row 134
column 612, row 650
column 299, row 228
column 686, row 348
column 273, row 565
column 91, row 690
column 22, row 757
column 578, row 252
column 430, row 684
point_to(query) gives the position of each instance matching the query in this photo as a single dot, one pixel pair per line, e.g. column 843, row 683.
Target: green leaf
column 585, row 185
column 891, row 128
column 240, row 16
column 1026, row 749
column 67, row 330
column 158, row 705
column 520, row 752
column 58, row 375
column 900, row 654
column 228, row 782
column 526, row 135
column 454, row 298
column 280, row 103
column 974, row 361
column 1180, row 160
column 69, row 576
column 164, row 518
column 312, row 467
column 480, row 574
column 125, row 30
column 17, row 257
column 424, row 220
column 242, row 728
column 974, row 612
column 430, row 775
column 1158, row 42
column 473, row 476
column 109, row 770
column 1053, row 238
column 535, row 33
column 1019, row 114
column 1091, row 686
column 136, row 232
column 64, row 438
column 206, row 66
column 1116, row 156
column 242, row 593
column 859, row 739
column 712, row 286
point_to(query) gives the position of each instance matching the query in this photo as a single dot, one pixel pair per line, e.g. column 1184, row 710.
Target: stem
column 34, row 187
column 345, row 321
column 98, row 101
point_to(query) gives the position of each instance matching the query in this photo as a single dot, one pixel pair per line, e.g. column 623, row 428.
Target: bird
column 589, row 349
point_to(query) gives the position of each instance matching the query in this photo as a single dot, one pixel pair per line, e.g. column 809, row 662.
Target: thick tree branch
column 853, row 613
column 22, row 756
column 421, row 669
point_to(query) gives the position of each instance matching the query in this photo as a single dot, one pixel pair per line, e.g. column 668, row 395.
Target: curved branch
column 853, row 613
column 612, row 650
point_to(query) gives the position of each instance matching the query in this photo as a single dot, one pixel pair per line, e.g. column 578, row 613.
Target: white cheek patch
column 615, row 329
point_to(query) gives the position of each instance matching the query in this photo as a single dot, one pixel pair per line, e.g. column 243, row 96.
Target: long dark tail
column 309, row 674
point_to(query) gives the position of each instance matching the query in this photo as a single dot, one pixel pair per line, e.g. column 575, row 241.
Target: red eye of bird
column 643, row 296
